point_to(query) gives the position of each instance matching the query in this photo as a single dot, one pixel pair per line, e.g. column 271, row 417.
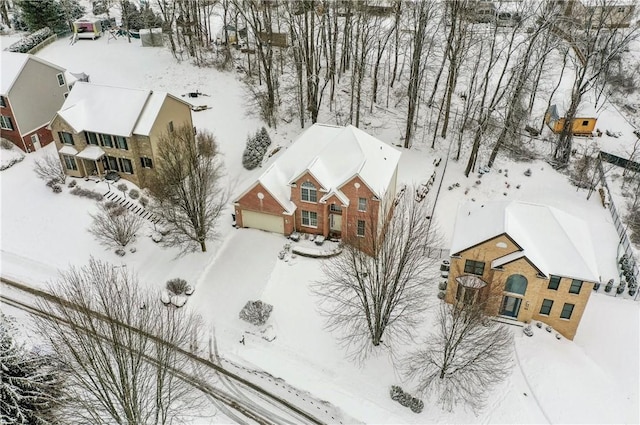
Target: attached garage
column 262, row 221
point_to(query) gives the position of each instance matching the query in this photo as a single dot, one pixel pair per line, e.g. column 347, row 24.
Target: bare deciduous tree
column 115, row 225
column 49, row 168
column 375, row 287
column 466, row 355
column 186, row 187
column 116, row 342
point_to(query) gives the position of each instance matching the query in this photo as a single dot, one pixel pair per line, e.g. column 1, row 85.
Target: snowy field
column 594, row 379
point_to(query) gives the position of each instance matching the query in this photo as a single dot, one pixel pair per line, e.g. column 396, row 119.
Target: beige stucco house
column 31, row 91
column 102, row 128
column 332, row 181
column 536, row 261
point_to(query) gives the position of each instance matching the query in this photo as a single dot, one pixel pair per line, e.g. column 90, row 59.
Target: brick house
column 331, row 181
column 31, row 91
column 103, row 128
column 539, row 261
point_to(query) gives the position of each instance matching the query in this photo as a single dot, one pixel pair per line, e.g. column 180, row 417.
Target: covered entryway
column 335, row 222
column 262, row 221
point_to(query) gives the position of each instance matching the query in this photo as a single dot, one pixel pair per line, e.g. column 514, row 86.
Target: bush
column 256, row 312
column 442, row 286
column 56, row 188
column 177, row 286
column 31, row 41
column 256, row 149
column 441, row 295
column 72, row 183
column 85, row 193
column 53, row 182
column 6, row 144
column 122, row 187
column 407, row 400
column 144, row 201
column 134, row 193
column 11, row 163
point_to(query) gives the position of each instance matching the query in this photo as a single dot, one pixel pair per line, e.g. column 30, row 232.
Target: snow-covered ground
column 593, row 379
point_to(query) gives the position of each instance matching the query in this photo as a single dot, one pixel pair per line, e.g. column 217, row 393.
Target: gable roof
column 11, row 65
column 553, row 240
column 333, row 155
column 112, row 110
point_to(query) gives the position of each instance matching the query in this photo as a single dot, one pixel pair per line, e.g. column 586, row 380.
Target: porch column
column 327, row 224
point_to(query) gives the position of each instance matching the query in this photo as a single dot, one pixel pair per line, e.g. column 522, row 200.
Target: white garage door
column 268, row 222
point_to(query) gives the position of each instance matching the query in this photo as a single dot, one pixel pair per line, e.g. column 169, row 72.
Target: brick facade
column 537, row 285
column 11, row 135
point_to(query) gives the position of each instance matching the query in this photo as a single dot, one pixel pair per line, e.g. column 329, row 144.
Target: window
column 576, row 286
column 362, row 204
column 60, row 79
column 474, row 267
column 126, row 166
column 92, row 138
column 335, row 208
column 554, row 282
column 516, row 284
column 310, row 218
column 546, row 307
column 70, row 162
column 466, row 295
column 360, row 230
column 3, row 103
column 111, row 163
column 309, row 192
column 66, row 95
column 170, row 126
column 585, row 123
column 5, row 123
column 121, row 143
column 106, row 140
column 66, row 138
column 146, row 162
column 567, row 310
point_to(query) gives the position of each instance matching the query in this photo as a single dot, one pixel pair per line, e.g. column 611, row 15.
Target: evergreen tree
column 31, row 388
column 43, row 13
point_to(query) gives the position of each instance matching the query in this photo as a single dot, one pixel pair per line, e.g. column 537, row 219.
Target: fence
column 625, row 242
column 43, row 44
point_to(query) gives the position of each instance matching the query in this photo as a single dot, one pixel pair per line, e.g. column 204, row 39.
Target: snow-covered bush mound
column 31, row 41
column 256, row 312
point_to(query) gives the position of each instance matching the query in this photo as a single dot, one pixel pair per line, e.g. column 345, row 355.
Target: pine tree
column 31, row 388
column 43, row 13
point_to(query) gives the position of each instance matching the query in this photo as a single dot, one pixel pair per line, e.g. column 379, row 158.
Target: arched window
column 516, row 284
column 309, row 192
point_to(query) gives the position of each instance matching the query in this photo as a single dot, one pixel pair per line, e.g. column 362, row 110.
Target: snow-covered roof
column 554, row 241
column 68, row 150
column 333, row 155
column 91, row 152
column 11, row 65
column 111, row 110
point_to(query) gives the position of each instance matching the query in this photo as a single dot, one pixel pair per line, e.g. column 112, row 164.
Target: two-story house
column 332, row 181
column 536, row 261
column 31, row 91
column 102, row 128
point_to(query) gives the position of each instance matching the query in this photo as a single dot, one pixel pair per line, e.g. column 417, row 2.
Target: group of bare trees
column 449, row 71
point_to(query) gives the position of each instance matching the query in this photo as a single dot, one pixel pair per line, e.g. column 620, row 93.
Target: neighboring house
column 611, row 13
column 331, row 181
column 101, row 128
column 31, row 91
column 583, row 124
column 535, row 261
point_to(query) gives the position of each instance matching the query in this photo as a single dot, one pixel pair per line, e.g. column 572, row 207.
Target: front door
column 510, row 306
column 35, row 140
column 335, row 222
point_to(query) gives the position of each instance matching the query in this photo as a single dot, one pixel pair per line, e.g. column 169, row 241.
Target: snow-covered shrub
column 156, row 237
column 56, row 188
column 120, row 252
column 31, row 41
column 416, row 405
column 256, row 312
column 134, row 193
column 257, row 146
column 11, row 162
column 122, row 187
column 52, row 182
column 72, row 184
column 441, row 295
column 177, row 286
column 396, row 392
column 86, row 193
column 6, row 144
column 442, row 286
column 407, row 400
column 144, row 201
